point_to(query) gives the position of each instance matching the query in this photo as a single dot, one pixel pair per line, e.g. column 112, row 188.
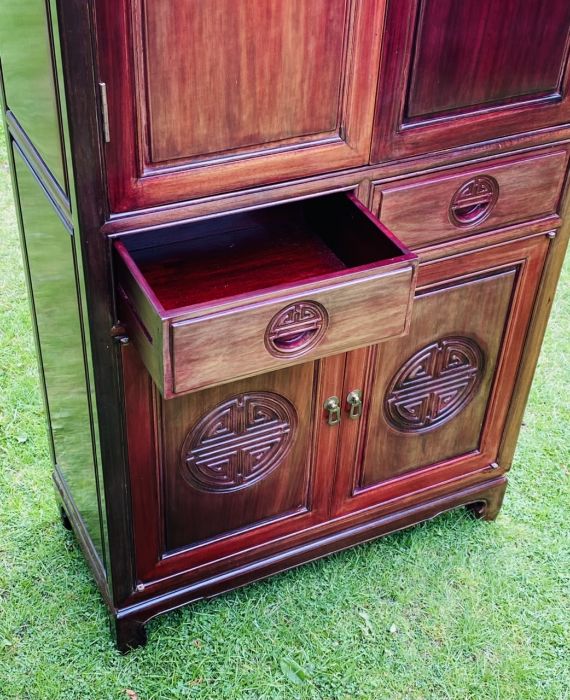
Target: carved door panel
column 435, row 401
column 208, row 96
column 461, row 72
column 226, row 469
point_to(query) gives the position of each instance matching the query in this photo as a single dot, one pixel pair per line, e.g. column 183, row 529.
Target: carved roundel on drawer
column 239, row 442
column 474, row 201
column 434, row 385
column 296, row 329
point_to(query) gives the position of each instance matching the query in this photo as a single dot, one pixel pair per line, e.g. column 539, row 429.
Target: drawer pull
column 473, row 201
column 354, row 400
column 296, row 329
column 332, row 406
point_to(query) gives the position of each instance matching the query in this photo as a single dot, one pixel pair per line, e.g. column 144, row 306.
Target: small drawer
column 432, row 208
column 229, row 297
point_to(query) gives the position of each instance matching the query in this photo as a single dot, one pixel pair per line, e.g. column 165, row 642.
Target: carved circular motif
column 434, row 385
column 474, row 201
column 296, row 329
column 239, row 442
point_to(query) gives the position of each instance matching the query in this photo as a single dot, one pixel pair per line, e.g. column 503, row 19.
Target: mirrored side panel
column 49, row 252
column 31, row 92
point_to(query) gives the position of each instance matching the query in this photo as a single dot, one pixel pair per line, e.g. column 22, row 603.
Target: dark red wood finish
column 226, row 298
column 449, row 119
column 455, row 73
column 288, row 92
column 265, row 249
column 422, row 210
column 294, row 498
column 485, row 298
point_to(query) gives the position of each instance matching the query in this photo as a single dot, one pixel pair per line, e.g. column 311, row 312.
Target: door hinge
column 104, row 111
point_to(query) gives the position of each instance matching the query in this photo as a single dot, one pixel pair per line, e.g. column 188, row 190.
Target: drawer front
column 432, row 208
column 216, row 348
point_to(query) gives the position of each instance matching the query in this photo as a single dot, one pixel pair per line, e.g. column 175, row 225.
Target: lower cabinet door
column 435, row 402
column 223, row 472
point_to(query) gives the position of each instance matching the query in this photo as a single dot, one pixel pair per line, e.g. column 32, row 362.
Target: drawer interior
column 249, row 252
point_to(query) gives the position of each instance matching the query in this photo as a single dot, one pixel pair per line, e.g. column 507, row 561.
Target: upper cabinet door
column 208, row 96
column 461, row 71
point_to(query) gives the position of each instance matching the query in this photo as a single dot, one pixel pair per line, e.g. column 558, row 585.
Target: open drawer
column 229, row 297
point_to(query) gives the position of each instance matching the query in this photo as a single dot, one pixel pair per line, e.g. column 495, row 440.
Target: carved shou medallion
column 239, row 442
column 474, row 201
column 434, row 385
column 296, row 329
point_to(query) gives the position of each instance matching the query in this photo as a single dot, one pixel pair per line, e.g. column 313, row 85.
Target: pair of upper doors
column 211, row 96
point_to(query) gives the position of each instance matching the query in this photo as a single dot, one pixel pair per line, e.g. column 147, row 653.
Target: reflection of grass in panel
column 50, row 257
column 26, row 61
column 451, row 609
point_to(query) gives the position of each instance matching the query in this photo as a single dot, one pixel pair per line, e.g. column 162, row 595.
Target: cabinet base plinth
column 483, row 500
column 128, row 633
column 489, row 508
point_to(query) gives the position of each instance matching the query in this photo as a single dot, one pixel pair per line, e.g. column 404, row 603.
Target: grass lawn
column 454, row 608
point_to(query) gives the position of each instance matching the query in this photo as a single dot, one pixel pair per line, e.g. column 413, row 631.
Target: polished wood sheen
column 28, row 66
column 489, row 52
column 202, row 102
column 194, row 519
column 421, row 210
column 458, row 72
column 328, row 253
column 276, row 479
column 290, row 265
column 484, row 301
column 452, row 315
column 48, row 242
column 217, row 95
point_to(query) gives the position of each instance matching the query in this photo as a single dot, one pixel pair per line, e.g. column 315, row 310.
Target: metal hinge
column 104, row 111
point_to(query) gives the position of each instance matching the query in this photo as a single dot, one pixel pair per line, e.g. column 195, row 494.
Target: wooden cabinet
column 218, row 95
column 296, row 258
column 249, row 463
column 454, row 73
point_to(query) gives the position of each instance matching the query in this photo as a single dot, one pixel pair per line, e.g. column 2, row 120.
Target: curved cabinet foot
column 65, row 521
column 489, row 505
column 129, row 634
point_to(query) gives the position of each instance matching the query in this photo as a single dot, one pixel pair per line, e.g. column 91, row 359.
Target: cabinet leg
column 490, row 504
column 65, row 521
column 129, row 634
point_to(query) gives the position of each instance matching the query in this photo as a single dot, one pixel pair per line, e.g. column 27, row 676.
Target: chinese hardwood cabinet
column 290, row 263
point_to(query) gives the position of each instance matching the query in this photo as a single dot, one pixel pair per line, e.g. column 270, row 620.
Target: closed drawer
column 432, row 208
column 229, row 297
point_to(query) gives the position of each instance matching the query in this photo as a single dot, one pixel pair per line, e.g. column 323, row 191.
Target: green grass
column 454, row 608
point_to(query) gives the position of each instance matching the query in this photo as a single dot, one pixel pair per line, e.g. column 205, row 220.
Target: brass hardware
column 105, row 112
column 119, row 334
column 354, row 400
column 332, row 405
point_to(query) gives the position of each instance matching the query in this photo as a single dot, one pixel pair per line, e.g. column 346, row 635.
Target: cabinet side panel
column 48, row 247
column 29, row 83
